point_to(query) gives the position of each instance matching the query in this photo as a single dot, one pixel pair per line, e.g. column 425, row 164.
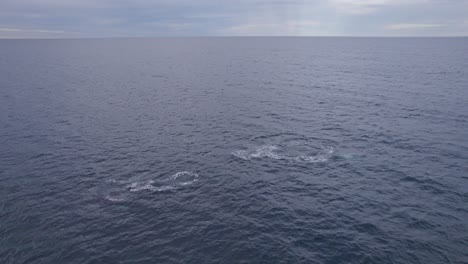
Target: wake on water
column 179, row 179
column 118, row 191
column 269, row 151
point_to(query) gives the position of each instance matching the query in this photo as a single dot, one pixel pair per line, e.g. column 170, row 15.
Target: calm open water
column 234, row 150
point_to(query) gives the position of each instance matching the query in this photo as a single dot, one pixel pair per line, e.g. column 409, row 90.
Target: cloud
column 406, row 26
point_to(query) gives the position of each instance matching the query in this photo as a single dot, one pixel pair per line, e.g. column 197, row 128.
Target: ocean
column 234, row 150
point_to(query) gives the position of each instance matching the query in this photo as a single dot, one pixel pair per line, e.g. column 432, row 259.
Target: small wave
column 269, row 151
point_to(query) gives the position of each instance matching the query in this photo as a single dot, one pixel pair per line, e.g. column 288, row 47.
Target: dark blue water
column 234, row 150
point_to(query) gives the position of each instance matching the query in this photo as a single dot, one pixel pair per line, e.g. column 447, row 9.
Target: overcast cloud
column 145, row 18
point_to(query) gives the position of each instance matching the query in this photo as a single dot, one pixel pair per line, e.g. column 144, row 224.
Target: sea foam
column 172, row 182
column 270, row 151
column 118, row 191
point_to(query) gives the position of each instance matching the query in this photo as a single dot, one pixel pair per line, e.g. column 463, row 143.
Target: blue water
column 234, row 150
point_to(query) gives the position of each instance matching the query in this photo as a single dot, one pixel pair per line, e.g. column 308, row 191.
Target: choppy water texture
column 234, row 150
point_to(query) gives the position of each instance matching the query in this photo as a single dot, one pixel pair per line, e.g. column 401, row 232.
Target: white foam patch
column 121, row 190
column 114, row 199
column 322, row 156
column 172, row 182
column 136, row 187
column 241, row 154
column 269, row 151
column 266, row 151
column 185, row 177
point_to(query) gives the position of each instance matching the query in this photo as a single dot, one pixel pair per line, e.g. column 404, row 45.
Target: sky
column 173, row 18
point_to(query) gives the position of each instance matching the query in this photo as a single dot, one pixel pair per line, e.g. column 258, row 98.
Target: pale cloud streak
column 406, row 26
column 32, row 30
column 287, row 28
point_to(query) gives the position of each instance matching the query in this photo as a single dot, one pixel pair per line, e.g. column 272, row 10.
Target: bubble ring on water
column 193, row 176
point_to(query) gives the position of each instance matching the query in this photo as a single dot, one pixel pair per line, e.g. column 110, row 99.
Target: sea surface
column 234, row 150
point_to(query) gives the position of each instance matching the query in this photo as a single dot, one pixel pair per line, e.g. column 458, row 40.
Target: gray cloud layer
column 146, row 18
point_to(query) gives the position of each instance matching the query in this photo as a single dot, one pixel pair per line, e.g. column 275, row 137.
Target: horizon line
column 169, row 37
